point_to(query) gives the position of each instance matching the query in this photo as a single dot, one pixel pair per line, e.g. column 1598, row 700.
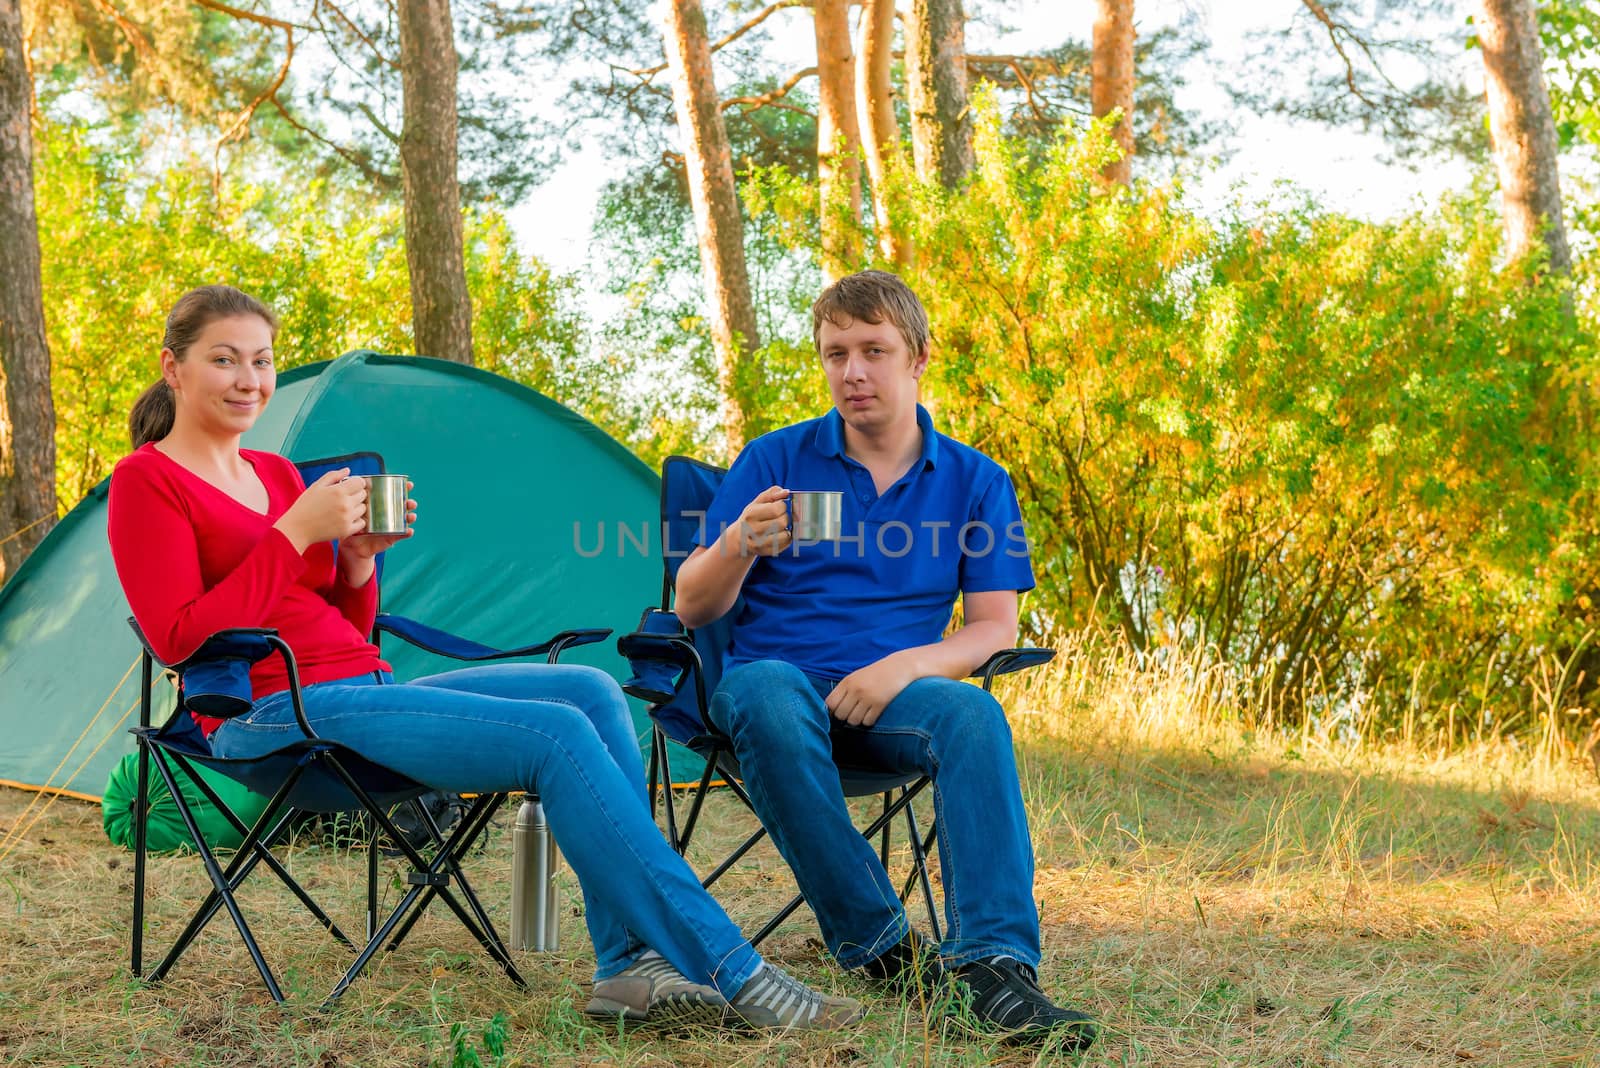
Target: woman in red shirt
column 208, row 536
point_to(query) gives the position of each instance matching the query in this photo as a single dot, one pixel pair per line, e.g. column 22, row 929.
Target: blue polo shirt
column 950, row 525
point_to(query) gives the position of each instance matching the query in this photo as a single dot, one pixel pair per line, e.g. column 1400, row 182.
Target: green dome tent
column 531, row 520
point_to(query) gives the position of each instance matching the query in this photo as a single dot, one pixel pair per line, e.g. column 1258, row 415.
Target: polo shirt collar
column 829, row 440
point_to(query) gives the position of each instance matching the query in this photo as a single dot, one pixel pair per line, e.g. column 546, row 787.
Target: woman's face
column 227, row 376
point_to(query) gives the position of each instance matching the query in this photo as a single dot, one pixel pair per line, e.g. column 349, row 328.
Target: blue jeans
column 562, row 732
column 956, row 733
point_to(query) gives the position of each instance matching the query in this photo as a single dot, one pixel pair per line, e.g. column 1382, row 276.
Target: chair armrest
column 675, row 649
column 443, row 643
column 1008, row 660
column 215, row 679
column 240, row 642
column 643, row 648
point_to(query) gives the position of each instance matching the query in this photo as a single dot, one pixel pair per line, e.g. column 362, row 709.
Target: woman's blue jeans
column 561, row 731
column 787, row 743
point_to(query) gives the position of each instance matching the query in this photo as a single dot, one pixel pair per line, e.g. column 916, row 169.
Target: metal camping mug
column 816, row 515
column 386, row 504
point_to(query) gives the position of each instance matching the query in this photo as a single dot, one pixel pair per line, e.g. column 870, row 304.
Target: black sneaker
column 910, row 964
column 1006, row 1000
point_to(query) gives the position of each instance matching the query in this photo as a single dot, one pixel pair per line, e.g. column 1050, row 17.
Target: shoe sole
column 677, row 1010
column 771, row 1023
column 1073, row 1037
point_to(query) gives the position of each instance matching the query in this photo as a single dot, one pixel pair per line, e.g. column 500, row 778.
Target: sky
column 1340, row 168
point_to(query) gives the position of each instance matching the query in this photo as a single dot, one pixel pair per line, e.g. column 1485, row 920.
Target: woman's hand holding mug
column 333, row 507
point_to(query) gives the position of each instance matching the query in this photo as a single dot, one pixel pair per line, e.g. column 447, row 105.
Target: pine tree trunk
column 441, row 309
column 838, row 139
column 880, row 134
column 1521, row 128
column 27, row 414
column 936, row 68
column 716, row 206
column 1111, row 79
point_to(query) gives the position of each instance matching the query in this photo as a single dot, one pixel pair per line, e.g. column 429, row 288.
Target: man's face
column 871, row 373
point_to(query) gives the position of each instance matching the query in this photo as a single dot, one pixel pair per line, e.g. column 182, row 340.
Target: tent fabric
column 166, row 832
column 531, row 520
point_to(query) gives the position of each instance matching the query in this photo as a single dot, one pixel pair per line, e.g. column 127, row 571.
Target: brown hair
column 872, row 297
column 152, row 414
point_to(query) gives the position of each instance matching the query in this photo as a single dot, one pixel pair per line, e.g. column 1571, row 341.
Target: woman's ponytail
column 152, row 414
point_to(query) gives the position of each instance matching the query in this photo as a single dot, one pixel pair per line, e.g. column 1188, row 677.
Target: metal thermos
column 535, row 920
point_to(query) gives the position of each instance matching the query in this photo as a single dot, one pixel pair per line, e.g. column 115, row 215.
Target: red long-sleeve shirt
column 194, row 561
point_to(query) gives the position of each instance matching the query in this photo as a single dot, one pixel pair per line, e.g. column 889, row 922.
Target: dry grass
column 1218, row 896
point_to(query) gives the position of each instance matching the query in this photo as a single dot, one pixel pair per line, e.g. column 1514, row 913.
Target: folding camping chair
column 676, row 671
column 309, row 774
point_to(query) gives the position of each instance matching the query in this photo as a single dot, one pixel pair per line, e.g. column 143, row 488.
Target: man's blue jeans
column 787, row 744
column 562, row 732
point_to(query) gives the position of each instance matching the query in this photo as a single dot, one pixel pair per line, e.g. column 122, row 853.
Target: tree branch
column 1335, row 28
column 770, row 99
column 372, row 117
column 130, row 33
column 761, row 16
column 242, row 122
column 250, row 16
column 355, row 159
column 356, row 32
column 1025, row 73
column 1036, row 64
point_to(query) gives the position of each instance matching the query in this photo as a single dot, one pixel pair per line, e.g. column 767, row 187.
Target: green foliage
column 1335, row 450
column 465, row 1052
column 1569, row 35
column 1349, row 456
column 134, row 57
column 120, row 244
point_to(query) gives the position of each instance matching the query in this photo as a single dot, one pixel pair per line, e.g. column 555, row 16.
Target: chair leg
column 670, row 804
column 738, row 790
column 250, row 853
column 772, row 924
column 733, row 858
column 892, row 809
column 449, row 854
column 426, row 876
column 452, row 852
column 372, row 946
column 466, row 834
column 261, row 845
column 919, row 869
column 255, row 848
column 699, row 799
column 372, row 879
column 407, row 910
column 221, row 887
column 654, row 785
column 141, row 818
column 883, row 839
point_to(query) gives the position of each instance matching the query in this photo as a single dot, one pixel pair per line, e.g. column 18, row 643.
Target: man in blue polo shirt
column 839, row 651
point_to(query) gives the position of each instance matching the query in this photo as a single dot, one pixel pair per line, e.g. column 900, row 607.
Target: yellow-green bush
column 121, row 243
column 1340, row 452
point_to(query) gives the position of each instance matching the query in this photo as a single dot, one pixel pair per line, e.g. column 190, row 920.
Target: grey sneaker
column 773, row 998
column 652, row 990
